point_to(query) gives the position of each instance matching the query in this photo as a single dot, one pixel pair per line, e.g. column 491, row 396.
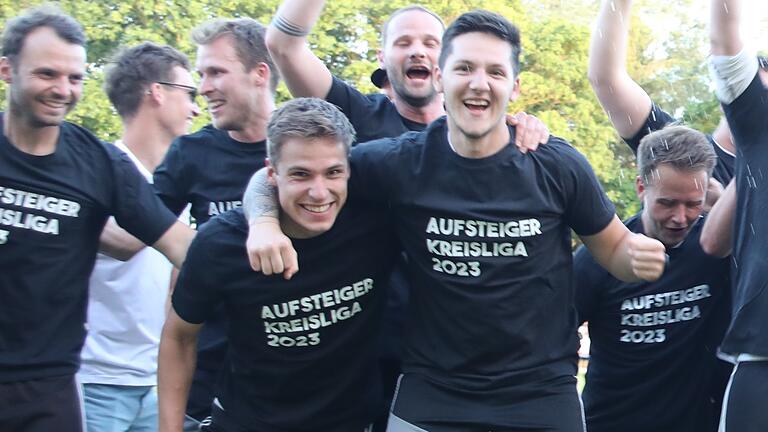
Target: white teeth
column 478, row 102
column 316, row 208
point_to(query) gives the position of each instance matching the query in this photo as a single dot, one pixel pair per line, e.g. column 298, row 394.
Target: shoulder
column 202, row 137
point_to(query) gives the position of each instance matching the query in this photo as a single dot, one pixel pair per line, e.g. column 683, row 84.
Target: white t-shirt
column 126, row 312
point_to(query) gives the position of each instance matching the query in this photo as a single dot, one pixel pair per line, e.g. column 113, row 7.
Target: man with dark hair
column 741, row 85
column 492, row 340
column 210, row 168
column 302, row 350
column 151, row 88
column 58, row 186
column 649, row 337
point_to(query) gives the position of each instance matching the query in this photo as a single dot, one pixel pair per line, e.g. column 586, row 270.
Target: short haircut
column 482, row 21
column 248, row 35
column 385, row 26
column 680, row 147
column 17, row 29
column 133, row 69
column 307, row 118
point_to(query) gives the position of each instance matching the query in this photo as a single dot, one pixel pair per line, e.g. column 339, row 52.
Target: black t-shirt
column 302, row 352
column 52, row 211
column 209, row 171
column 748, row 331
column 373, row 116
column 490, row 260
column 658, row 119
column 653, row 364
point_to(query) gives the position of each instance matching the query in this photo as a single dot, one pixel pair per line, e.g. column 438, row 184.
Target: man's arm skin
column 724, row 35
column 119, row 244
column 304, row 73
column 176, row 365
column 626, row 103
column 717, row 233
column 627, row 256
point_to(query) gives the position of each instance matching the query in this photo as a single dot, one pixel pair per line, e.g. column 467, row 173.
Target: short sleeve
column 135, row 206
column 195, row 296
column 588, row 209
column 169, row 179
column 657, row 119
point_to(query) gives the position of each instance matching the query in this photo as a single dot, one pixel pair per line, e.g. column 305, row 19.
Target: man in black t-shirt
column 741, row 84
column 58, row 186
column 649, row 337
column 302, row 351
column 491, row 341
column 209, row 169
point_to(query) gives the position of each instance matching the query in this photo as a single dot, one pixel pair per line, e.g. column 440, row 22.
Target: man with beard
column 58, row 186
column 210, row 168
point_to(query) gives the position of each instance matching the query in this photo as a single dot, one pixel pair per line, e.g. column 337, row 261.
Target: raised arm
column 724, row 27
column 176, row 364
column 626, row 103
column 627, row 256
column 269, row 250
column 304, row 73
column 717, row 233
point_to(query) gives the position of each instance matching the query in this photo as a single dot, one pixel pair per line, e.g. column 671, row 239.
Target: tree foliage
column 555, row 46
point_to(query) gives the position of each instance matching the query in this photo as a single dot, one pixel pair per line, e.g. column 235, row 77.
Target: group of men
column 451, row 209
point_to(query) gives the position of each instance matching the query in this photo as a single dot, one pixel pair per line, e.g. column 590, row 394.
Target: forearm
column 304, row 73
column 176, row 365
column 724, row 27
column 626, row 103
column 117, row 243
column 260, row 198
column 717, row 233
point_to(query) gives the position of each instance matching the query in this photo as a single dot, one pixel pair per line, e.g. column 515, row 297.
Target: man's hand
column 648, row 257
column 269, row 250
column 529, row 131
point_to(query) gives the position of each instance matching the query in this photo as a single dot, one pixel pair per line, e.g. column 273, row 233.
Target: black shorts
column 746, row 399
column 422, row 405
column 44, row 405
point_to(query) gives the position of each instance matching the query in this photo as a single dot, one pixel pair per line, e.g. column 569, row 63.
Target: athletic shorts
column 422, row 405
column 745, row 407
column 44, row 405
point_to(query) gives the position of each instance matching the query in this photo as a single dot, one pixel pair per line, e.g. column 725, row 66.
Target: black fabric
column 44, row 405
column 658, row 119
column 653, row 363
column 747, row 398
column 302, row 352
column 373, row 116
column 748, row 331
column 52, row 211
column 209, row 171
column 435, row 408
column 488, row 242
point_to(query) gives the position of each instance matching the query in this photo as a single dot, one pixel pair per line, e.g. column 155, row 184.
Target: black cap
column 379, row 77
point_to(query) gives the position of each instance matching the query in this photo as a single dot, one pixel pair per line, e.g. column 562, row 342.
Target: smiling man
column 303, row 351
column 209, row 169
column 58, row 186
column 491, row 338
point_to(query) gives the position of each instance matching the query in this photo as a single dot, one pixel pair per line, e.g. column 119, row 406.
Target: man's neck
column 37, row 141
column 147, row 141
column 256, row 128
column 425, row 114
column 476, row 148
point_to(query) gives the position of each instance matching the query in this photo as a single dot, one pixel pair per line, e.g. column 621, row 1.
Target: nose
column 195, row 109
column 206, row 86
column 479, row 81
column 318, row 190
column 418, row 51
column 63, row 87
column 679, row 215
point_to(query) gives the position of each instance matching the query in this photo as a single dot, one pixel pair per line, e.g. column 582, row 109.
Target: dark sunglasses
column 192, row 91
